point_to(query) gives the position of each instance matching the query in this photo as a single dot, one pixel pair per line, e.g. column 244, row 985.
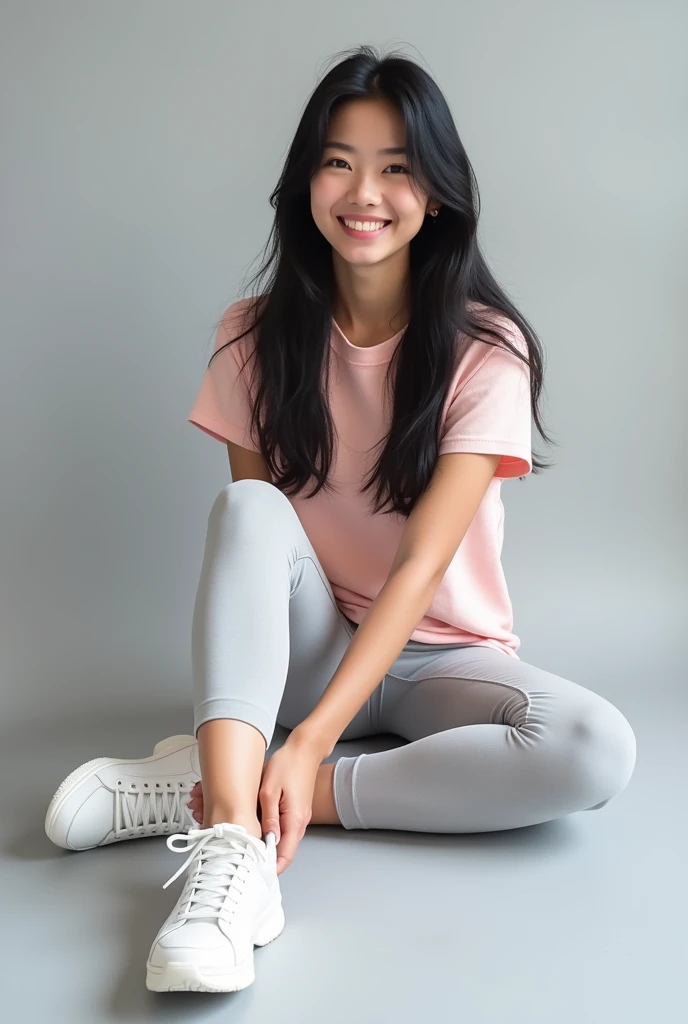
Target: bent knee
column 248, row 492
column 603, row 749
column 239, row 489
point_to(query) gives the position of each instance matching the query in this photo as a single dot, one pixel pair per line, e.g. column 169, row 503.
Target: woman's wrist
column 306, row 737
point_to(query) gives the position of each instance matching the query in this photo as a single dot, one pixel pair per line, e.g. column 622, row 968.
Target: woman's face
column 363, row 184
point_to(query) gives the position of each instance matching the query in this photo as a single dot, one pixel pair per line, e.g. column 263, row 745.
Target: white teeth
column 358, row 225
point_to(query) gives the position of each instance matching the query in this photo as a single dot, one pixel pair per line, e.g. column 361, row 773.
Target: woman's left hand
column 286, row 797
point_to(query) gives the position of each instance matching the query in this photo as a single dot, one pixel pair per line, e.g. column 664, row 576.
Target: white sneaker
column 110, row 799
column 231, row 902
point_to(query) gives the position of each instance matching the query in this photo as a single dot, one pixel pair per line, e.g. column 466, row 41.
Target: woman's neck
column 369, row 335
column 371, row 304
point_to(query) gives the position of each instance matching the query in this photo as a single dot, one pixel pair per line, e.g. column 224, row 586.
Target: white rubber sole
column 84, row 771
column 184, row 977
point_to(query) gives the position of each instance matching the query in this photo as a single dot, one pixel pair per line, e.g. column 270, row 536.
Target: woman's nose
column 363, row 192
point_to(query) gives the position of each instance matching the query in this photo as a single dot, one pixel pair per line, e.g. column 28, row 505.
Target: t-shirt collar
column 380, row 353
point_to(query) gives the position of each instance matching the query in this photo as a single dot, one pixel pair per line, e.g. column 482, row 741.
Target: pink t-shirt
column 487, row 410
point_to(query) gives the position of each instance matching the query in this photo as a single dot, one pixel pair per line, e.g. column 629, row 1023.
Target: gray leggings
column 495, row 743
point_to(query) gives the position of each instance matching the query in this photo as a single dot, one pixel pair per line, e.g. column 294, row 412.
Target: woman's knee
column 246, row 489
column 603, row 749
column 248, row 493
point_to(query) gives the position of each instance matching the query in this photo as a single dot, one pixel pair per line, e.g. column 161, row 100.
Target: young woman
column 373, row 397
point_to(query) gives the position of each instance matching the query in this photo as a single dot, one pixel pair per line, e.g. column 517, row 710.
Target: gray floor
column 578, row 920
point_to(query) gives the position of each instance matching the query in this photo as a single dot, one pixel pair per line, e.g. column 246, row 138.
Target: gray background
column 140, row 141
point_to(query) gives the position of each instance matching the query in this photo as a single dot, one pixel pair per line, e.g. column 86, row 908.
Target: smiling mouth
column 380, row 221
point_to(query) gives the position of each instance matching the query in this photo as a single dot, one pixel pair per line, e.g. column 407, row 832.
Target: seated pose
column 372, row 398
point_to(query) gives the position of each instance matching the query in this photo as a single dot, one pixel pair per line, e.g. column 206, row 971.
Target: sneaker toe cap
column 200, row 943
column 85, row 818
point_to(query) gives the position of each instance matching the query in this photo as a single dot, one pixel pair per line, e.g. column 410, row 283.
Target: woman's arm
column 431, row 537
column 377, row 643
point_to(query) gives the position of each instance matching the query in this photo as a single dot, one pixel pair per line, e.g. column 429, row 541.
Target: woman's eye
column 337, row 159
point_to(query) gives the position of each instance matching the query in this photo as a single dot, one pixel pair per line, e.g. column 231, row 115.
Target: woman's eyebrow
column 352, row 149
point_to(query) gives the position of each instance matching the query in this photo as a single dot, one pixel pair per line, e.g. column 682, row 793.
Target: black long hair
column 292, row 316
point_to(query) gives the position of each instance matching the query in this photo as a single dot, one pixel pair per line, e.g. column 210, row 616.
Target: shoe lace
column 152, row 810
column 222, row 864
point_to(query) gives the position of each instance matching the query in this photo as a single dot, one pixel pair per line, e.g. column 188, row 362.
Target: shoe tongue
column 220, row 869
column 226, row 829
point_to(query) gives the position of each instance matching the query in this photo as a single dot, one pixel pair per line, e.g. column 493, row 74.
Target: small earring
column 433, row 213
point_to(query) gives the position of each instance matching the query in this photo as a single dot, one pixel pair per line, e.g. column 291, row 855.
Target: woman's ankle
column 214, row 816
